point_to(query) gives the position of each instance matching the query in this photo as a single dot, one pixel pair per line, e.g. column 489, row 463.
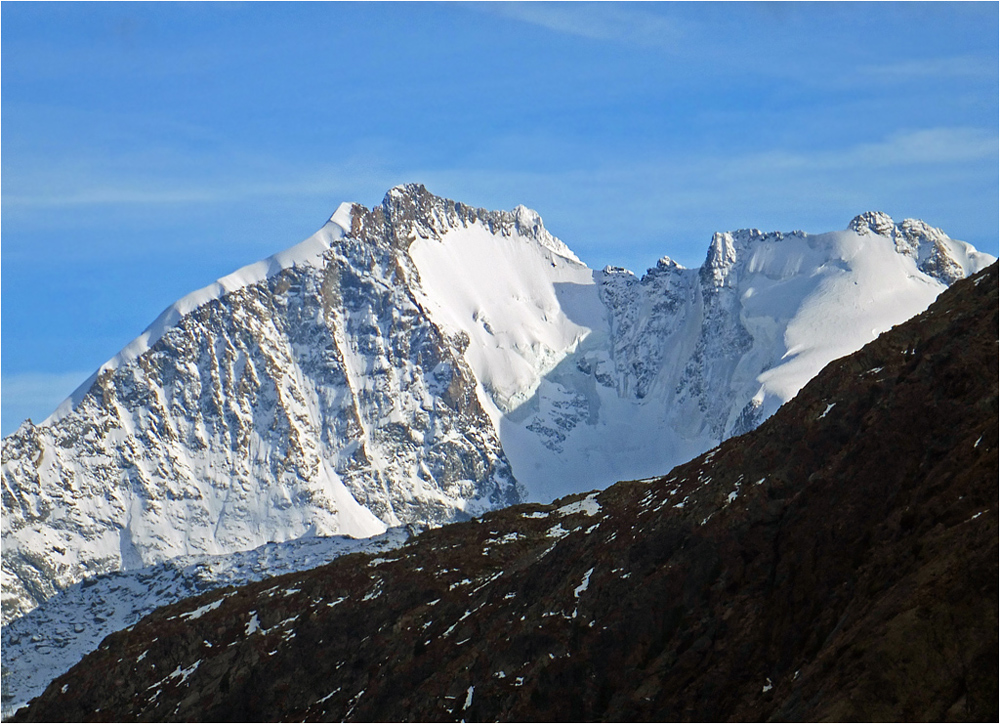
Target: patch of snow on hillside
column 47, row 641
column 588, row 505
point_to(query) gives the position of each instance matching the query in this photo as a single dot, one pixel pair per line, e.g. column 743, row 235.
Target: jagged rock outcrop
column 928, row 246
column 425, row 361
column 837, row 563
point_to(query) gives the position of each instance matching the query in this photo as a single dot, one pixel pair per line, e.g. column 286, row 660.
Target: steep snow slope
column 424, row 361
column 602, row 376
column 513, row 299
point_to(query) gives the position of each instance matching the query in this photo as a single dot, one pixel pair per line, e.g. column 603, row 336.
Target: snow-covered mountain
column 837, row 563
column 425, row 361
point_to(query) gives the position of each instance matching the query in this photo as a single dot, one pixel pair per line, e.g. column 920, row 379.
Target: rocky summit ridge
column 837, row 563
column 423, row 362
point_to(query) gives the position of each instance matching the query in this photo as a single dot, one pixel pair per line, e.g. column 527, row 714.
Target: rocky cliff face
column 424, row 361
column 317, row 400
column 839, row 562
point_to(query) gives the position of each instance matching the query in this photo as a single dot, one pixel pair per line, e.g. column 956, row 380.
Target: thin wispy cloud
column 949, row 67
column 597, row 21
column 123, row 185
column 932, row 146
column 126, row 194
column 105, row 196
column 680, row 182
column 927, row 146
column 128, row 184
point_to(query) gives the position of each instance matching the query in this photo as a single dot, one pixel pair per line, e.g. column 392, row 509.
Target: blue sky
column 149, row 148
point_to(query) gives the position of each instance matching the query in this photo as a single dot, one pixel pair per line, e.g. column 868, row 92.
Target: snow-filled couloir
column 424, row 361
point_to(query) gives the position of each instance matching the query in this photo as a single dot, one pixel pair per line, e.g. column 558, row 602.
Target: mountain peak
column 409, row 211
column 412, row 190
column 344, row 217
column 873, row 222
column 935, row 253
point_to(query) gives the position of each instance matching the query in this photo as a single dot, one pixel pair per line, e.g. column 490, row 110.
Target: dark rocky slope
column 838, row 563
